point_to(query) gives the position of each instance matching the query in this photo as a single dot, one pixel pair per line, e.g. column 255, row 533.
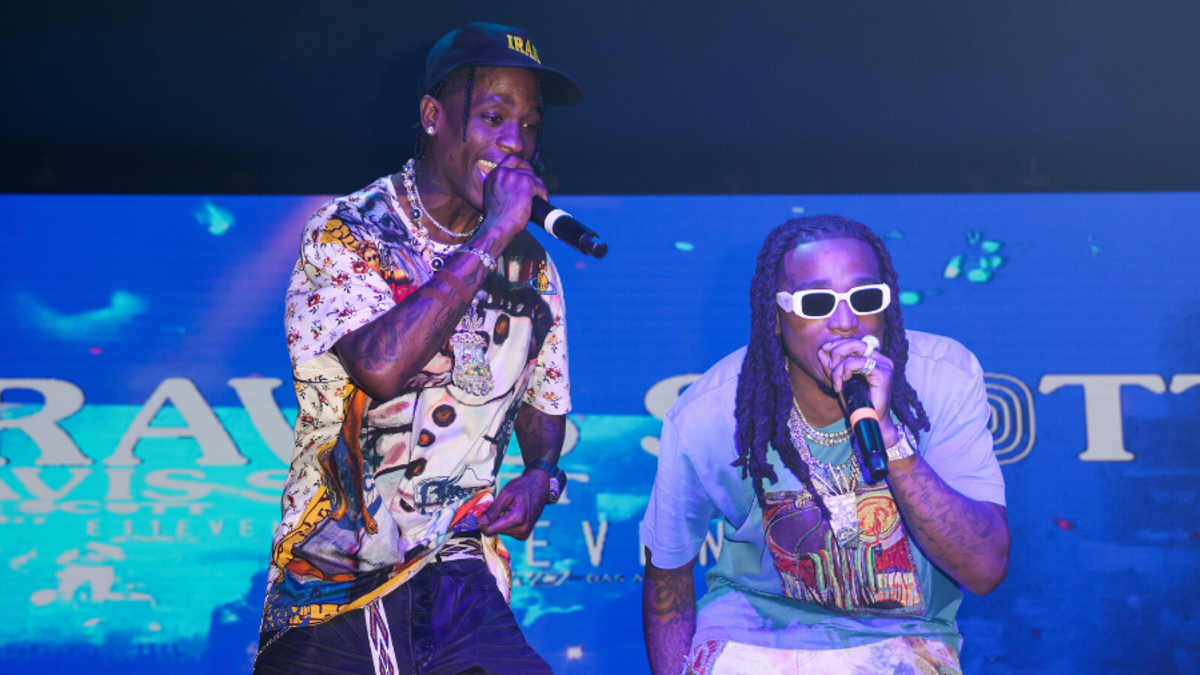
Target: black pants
column 449, row 619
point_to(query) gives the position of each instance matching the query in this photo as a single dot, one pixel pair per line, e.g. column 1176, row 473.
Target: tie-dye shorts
column 900, row 655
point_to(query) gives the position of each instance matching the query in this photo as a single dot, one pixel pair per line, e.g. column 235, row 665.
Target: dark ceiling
column 680, row 97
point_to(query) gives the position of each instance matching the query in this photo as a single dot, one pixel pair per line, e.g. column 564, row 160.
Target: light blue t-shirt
column 812, row 594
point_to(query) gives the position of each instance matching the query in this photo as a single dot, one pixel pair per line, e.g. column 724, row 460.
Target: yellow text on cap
column 524, row 46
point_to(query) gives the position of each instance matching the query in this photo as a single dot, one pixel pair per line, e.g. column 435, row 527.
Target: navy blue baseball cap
column 490, row 44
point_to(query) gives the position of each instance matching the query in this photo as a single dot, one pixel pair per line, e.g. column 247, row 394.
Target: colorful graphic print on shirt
column 876, row 577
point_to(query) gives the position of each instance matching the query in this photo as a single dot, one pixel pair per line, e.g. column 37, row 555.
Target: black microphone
column 866, row 427
column 560, row 225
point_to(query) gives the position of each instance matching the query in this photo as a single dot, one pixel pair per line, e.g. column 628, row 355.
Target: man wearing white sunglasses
column 820, row 569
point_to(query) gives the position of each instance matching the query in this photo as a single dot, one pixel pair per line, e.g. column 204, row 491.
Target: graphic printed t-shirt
column 787, row 585
column 429, row 455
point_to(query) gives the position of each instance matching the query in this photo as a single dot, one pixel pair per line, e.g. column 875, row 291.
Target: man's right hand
column 508, row 194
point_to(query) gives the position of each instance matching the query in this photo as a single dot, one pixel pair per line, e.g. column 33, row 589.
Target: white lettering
column 200, row 423
column 271, row 480
column 7, row 493
column 1102, row 410
column 31, row 480
column 118, row 485
column 257, row 397
column 532, row 543
column 1181, row 383
column 595, row 544
column 55, row 445
column 164, row 478
column 81, row 507
column 713, row 544
column 40, row 506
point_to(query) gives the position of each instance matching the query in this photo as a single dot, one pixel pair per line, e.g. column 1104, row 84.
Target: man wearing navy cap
column 425, row 326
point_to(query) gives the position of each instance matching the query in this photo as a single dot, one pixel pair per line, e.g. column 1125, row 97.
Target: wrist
column 889, row 431
column 494, row 233
column 485, row 258
column 558, row 477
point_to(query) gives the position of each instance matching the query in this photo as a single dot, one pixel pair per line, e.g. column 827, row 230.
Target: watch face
column 557, row 482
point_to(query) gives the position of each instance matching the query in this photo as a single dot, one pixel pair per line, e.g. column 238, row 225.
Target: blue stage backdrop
column 147, row 404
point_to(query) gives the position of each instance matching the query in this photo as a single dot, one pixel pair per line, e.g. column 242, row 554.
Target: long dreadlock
column 764, row 392
column 463, row 78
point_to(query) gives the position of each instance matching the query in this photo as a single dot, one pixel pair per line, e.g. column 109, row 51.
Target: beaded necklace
column 408, row 176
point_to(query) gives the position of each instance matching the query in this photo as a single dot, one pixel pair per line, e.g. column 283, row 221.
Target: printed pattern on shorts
column 380, row 637
column 912, row 655
column 703, row 657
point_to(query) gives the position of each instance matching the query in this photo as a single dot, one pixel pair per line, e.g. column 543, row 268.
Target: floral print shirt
column 429, row 455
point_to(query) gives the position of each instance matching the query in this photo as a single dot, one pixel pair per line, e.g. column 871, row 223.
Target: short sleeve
column 959, row 444
column 333, row 289
column 550, row 387
column 679, row 512
column 696, row 481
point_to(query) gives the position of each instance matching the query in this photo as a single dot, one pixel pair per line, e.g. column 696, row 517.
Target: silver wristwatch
column 904, row 448
column 558, row 478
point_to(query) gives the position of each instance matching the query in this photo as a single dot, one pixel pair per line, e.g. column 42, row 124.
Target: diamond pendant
column 472, row 373
column 843, row 518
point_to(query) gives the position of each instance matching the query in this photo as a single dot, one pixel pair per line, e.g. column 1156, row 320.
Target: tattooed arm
column 519, row 504
column 384, row 354
column 668, row 616
column 966, row 538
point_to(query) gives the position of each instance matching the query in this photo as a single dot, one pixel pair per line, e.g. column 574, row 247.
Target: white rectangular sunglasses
column 820, row 303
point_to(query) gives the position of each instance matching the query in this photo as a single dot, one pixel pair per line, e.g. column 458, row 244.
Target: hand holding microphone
column 856, row 394
column 502, row 190
column 865, row 423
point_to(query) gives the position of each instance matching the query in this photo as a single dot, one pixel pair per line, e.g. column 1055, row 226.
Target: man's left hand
column 518, row 506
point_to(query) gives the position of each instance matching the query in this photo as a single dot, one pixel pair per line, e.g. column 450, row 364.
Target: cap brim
column 557, row 87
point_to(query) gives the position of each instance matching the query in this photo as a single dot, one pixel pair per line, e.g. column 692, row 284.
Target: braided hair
column 463, row 79
column 764, row 392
